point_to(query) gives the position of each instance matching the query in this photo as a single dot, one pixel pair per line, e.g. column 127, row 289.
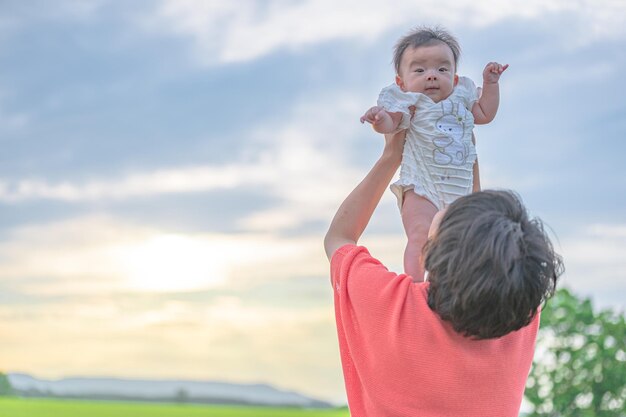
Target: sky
column 169, row 169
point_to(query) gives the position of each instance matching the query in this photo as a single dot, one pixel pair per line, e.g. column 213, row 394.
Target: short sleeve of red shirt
column 372, row 288
column 400, row 359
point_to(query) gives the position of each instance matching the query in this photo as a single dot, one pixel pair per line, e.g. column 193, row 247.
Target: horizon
column 170, row 167
column 199, row 391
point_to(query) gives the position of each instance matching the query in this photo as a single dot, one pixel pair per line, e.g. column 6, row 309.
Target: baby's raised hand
column 492, row 72
column 375, row 115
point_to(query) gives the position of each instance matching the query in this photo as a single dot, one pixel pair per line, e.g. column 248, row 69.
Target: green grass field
column 17, row 407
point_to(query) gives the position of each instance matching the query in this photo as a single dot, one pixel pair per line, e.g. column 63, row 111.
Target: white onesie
column 438, row 157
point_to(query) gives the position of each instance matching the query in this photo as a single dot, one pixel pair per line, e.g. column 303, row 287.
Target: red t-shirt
column 400, row 359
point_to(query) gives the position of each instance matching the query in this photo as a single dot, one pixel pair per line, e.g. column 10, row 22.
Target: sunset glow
column 173, row 263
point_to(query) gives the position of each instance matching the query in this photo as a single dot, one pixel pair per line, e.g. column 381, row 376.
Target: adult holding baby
column 460, row 344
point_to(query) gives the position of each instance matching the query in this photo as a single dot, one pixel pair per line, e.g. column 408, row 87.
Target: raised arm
column 355, row 212
column 486, row 107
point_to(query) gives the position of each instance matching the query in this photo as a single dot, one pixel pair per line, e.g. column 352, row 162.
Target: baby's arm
column 486, row 107
column 382, row 121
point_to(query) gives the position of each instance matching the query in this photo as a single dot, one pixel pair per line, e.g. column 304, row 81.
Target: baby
column 439, row 109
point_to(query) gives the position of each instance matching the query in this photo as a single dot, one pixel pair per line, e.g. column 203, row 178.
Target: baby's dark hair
column 425, row 36
column 490, row 266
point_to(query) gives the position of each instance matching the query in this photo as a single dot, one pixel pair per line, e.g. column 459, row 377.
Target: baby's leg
column 417, row 214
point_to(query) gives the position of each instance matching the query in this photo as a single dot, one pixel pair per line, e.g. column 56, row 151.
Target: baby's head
column 425, row 61
column 490, row 266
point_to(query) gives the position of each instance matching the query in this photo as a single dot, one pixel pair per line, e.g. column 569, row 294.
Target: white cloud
column 103, row 254
column 231, row 32
column 163, row 181
column 66, row 257
column 311, row 152
column 224, row 32
column 304, row 162
column 595, row 264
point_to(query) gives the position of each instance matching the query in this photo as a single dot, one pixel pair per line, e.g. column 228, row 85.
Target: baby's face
column 429, row 70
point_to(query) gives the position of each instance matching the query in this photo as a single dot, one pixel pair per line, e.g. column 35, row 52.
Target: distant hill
column 160, row 391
